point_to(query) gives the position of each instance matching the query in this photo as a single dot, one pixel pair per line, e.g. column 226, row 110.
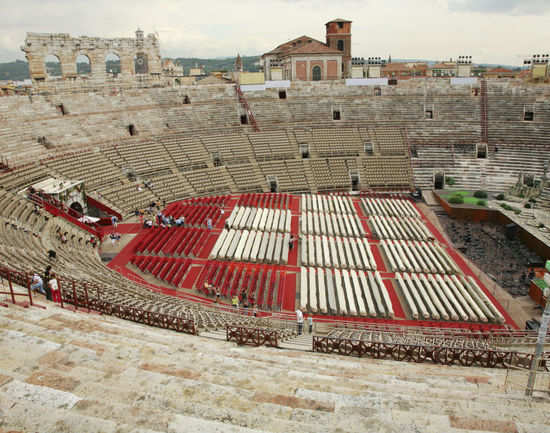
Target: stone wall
column 140, row 60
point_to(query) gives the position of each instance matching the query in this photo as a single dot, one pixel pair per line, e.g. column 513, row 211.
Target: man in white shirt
column 37, row 284
column 300, row 321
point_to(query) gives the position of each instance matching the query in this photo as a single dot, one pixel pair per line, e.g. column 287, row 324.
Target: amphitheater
column 307, row 212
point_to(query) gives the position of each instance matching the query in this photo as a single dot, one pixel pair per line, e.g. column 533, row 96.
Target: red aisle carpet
column 289, row 295
column 397, row 309
column 380, row 266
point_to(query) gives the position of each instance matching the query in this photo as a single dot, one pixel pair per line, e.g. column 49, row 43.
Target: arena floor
column 283, row 295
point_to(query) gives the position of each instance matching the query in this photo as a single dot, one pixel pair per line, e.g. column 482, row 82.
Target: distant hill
column 19, row 70
column 250, row 63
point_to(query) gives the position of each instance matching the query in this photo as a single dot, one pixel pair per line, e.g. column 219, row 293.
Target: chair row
column 260, row 219
column 415, row 256
column 313, row 223
column 263, row 284
column 448, row 298
column 327, row 203
column 347, row 253
column 194, row 215
column 168, row 269
column 356, row 293
column 389, row 207
column 269, row 200
column 253, row 246
column 174, row 241
column 399, row 228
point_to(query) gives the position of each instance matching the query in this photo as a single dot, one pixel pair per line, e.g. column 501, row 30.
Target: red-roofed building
column 308, row 59
column 501, row 73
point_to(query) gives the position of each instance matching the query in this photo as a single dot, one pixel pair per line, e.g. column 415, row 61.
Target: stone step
column 99, row 373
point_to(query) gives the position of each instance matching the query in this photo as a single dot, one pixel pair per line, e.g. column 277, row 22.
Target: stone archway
column 52, row 66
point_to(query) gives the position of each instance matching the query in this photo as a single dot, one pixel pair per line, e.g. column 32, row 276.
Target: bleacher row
column 399, row 228
column 27, row 238
column 251, row 246
column 177, row 241
column 448, row 297
column 415, row 256
column 327, row 204
column 389, row 207
column 336, row 252
column 332, row 224
column 261, row 219
column 344, row 292
column 264, row 285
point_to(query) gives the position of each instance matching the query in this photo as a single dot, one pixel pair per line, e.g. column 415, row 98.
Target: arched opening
column 83, row 65
column 316, row 73
column 439, row 180
column 177, row 82
column 112, row 64
column 140, row 63
column 52, row 66
column 76, row 206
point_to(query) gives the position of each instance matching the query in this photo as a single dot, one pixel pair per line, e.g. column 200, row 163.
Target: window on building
column 282, row 94
column 340, row 45
column 316, row 73
column 528, row 116
column 186, row 100
column 244, row 119
column 392, row 82
column 377, row 91
column 132, row 129
column 336, row 115
column 429, row 114
column 340, row 25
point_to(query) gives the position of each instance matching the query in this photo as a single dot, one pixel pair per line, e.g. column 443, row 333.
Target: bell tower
column 339, row 38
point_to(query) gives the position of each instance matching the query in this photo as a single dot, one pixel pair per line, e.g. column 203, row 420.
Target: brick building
column 308, row 59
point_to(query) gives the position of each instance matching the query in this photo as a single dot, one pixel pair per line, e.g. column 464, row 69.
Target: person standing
column 47, row 279
column 235, row 302
column 300, row 320
column 310, row 323
column 209, row 223
column 54, row 287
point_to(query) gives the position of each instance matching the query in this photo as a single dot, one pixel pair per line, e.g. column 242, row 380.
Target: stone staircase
column 62, row 371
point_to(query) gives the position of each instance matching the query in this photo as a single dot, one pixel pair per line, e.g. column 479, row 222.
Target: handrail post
column 11, row 288
column 86, row 296
column 74, row 298
column 29, row 289
column 60, row 287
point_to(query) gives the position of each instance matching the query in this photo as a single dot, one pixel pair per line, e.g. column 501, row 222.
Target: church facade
column 308, row 59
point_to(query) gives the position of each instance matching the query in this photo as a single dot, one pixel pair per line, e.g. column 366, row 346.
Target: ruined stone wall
column 140, row 60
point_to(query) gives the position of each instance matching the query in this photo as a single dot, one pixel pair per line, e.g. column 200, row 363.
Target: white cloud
column 433, row 29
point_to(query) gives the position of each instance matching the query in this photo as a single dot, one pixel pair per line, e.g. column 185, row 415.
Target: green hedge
column 480, row 194
column 456, row 199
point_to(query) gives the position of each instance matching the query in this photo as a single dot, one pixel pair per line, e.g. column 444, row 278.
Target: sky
column 491, row 31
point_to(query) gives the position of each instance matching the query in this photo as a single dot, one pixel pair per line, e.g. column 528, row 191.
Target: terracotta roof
column 444, row 66
column 500, row 70
column 303, row 45
column 338, row 20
